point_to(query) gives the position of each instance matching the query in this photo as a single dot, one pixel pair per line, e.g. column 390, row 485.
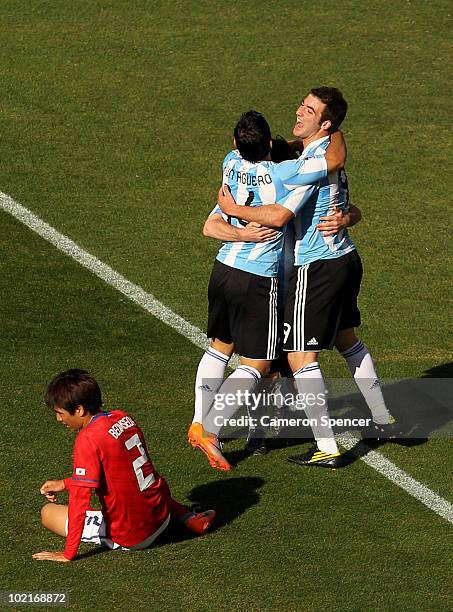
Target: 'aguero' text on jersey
column 258, row 184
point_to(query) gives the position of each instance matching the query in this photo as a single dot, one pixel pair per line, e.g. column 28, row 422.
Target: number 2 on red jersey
column 143, row 482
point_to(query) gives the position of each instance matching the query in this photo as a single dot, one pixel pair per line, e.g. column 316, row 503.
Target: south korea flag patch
column 80, row 471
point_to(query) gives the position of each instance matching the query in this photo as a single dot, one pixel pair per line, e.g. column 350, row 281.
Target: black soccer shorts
column 322, row 300
column 243, row 310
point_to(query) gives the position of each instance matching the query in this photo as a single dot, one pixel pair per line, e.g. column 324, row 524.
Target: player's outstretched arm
column 216, row 227
column 271, row 215
column 336, row 152
column 332, row 224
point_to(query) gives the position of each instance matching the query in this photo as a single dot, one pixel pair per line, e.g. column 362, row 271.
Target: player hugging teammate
column 320, row 306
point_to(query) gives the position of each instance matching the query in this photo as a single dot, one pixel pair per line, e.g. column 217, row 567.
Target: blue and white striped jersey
column 258, row 184
column 318, row 200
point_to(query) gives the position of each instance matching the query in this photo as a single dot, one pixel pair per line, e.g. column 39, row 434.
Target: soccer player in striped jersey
column 321, row 309
column 110, row 457
column 243, row 285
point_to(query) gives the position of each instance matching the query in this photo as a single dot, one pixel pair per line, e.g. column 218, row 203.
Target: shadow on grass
column 91, row 553
column 272, row 444
column 445, row 370
column 361, row 449
column 230, row 498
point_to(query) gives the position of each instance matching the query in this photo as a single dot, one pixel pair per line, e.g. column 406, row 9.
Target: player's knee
column 222, row 347
column 46, row 513
column 291, row 361
column 264, row 368
column 299, row 360
column 261, row 365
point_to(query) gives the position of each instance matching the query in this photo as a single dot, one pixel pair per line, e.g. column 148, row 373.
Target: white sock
column 309, row 380
column 209, row 378
column 361, row 365
column 243, row 379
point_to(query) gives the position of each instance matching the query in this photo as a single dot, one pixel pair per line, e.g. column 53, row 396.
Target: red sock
column 178, row 511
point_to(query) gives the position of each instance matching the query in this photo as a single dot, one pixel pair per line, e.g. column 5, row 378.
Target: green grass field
column 115, row 120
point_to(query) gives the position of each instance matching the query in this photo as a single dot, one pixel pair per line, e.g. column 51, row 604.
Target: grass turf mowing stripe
column 147, row 301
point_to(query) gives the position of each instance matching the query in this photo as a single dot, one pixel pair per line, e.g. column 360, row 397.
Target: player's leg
column 256, row 438
column 54, row 518
column 226, row 404
column 252, row 319
column 346, row 339
column 197, row 522
column 311, row 322
column 209, row 377
column 263, row 366
column 357, row 355
column 226, row 348
column 254, row 325
column 240, row 385
column 211, row 369
column 361, row 366
column 309, row 381
column 281, row 393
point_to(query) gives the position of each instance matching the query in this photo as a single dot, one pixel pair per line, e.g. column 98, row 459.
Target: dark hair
column 336, row 105
column 252, row 135
column 281, row 150
column 74, row 388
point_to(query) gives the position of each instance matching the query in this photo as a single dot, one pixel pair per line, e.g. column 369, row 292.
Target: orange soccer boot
column 200, row 522
column 210, row 445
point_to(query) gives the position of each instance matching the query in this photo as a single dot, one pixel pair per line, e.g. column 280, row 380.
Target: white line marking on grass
column 103, row 271
column 147, row 301
column 384, row 466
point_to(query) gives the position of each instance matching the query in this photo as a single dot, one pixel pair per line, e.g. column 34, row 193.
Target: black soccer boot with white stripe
column 318, row 458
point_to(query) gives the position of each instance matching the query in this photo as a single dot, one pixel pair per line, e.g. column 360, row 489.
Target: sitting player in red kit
column 110, row 456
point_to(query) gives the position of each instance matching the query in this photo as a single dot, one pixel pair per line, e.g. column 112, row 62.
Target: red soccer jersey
column 110, row 455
